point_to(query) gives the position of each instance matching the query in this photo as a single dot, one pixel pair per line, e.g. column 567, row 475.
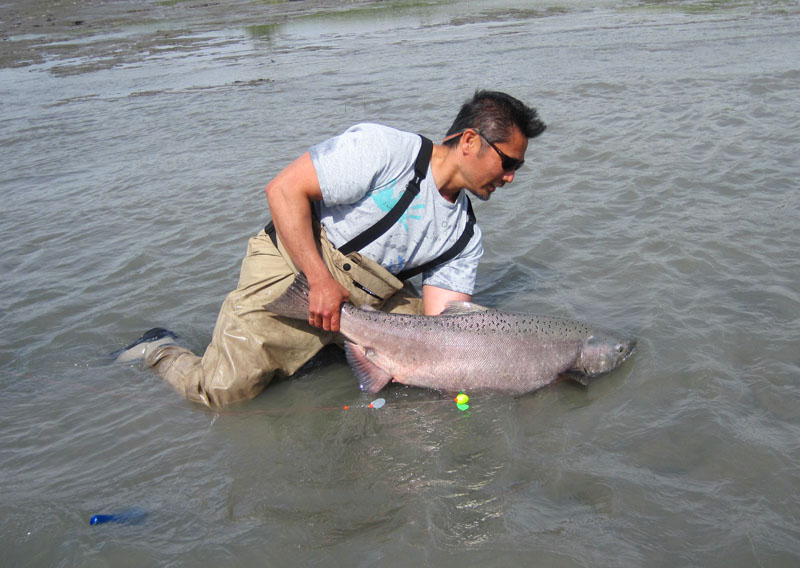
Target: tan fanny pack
column 367, row 281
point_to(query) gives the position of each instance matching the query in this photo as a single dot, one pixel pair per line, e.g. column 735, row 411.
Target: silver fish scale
column 486, row 322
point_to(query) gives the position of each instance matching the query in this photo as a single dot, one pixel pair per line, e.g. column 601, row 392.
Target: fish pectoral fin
column 578, row 377
column 371, row 378
column 462, row 308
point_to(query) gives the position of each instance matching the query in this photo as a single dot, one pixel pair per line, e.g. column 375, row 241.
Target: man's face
column 488, row 173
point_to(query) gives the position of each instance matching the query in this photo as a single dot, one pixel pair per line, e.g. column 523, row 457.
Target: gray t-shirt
column 362, row 174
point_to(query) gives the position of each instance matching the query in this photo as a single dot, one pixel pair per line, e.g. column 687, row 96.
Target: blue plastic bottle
column 130, row 517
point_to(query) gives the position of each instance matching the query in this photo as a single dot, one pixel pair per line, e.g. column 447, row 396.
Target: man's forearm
column 290, row 196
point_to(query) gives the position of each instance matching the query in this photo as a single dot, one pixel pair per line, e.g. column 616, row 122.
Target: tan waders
column 250, row 344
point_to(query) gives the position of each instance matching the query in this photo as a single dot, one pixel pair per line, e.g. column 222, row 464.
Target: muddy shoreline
column 36, row 31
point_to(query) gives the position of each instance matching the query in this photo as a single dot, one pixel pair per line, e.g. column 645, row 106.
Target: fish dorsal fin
column 461, row 308
column 371, row 378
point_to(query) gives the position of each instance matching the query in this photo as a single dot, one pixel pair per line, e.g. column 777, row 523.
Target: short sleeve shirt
column 362, row 173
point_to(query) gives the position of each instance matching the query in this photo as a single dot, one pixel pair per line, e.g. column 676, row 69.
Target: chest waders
column 387, row 221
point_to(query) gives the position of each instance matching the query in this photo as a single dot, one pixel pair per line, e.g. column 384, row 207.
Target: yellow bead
column 461, row 398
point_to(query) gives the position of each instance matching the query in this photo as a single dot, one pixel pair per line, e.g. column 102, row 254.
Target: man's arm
column 290, row 196
column 435, row 300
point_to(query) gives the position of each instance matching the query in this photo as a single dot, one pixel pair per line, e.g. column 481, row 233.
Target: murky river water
column 663, row 200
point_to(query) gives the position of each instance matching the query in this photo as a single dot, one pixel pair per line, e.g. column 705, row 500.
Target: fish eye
column 620, row 348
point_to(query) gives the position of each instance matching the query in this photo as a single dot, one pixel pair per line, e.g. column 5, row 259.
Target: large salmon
column 466, row 347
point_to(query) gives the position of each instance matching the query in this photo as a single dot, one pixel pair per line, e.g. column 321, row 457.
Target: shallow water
column 662, row 200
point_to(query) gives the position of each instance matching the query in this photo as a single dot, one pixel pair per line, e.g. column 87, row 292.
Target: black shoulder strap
column 412, row 190
column 450, row 253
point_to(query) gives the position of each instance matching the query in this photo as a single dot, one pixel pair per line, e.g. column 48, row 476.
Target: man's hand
column 324, row 303
column 290, row 197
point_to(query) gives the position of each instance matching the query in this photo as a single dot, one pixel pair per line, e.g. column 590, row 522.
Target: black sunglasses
column 509, row 164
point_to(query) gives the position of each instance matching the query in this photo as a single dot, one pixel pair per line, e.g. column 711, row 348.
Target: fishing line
column 461, row 404
column 194, row 451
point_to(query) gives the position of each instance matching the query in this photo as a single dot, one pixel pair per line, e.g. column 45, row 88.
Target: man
column 354, row 213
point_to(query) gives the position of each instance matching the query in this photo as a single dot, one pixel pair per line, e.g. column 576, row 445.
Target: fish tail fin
column 293, row 303
column 371, row 378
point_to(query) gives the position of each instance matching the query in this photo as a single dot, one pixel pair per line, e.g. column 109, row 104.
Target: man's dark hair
column 495, row 114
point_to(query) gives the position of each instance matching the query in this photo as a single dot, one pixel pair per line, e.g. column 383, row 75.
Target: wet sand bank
column 36, row 31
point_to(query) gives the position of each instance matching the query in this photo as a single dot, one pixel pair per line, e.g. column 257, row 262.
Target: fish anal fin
column 371, row 378
column 461, row 308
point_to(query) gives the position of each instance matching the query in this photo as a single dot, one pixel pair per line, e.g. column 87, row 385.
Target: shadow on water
column 504, row 282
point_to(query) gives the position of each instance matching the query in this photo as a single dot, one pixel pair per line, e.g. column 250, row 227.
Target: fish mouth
column 625, row 349
column 632, row 344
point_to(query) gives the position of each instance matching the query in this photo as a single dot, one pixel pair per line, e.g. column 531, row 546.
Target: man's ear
column 470, row 142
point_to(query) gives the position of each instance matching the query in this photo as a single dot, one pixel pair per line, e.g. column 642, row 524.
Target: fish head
column 603, row 352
